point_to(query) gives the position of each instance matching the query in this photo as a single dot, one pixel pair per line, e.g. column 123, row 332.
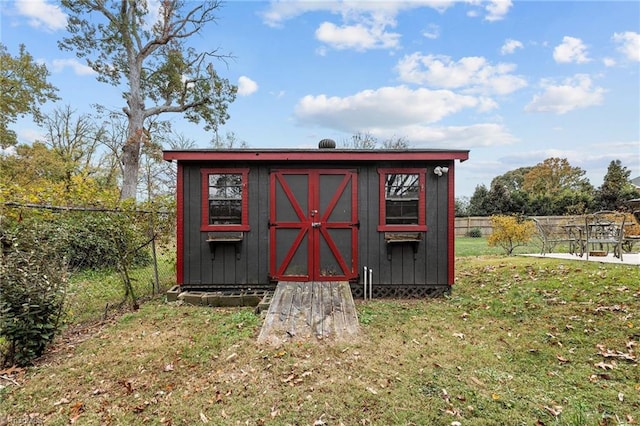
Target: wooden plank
column 310, row 311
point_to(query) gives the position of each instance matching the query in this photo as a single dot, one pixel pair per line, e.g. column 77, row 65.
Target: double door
column 313, row 225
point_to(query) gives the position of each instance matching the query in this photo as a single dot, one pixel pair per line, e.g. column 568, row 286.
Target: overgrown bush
column 475, row 233
column 510, row 232
column 32, row 295
column 93, row 240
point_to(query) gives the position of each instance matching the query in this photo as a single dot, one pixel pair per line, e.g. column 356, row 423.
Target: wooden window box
column 412, row 238
column 225, row 237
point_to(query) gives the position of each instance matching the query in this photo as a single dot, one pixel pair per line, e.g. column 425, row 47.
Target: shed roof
column 315, row 154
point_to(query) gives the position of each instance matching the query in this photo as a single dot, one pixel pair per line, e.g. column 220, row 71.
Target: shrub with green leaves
column 32, row 295
column 475, row 233
column 93, row 240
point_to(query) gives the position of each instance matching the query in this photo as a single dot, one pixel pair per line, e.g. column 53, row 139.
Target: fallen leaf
column 562, row 359
column 128, row 386
column 62, row 401
column 459, row 335
column 274, row 412
column 477, row 381
column 232, row 357
column 604, row 366
column 168, row 367
column 372, row 390
column 288, row 379
column 555, row 411
column 75, row 411
column 203, row 418
column 495, row 396
column 620, row 397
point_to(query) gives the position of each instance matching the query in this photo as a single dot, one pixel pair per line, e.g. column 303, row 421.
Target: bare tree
column 162, row 74
column 74, row 139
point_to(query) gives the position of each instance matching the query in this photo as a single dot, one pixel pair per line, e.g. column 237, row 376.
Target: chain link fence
column 115, row 259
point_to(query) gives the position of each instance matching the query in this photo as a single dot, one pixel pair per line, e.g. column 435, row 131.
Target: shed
column 250, row 218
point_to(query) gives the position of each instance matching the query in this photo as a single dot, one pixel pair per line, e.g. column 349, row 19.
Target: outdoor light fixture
column 441, row 170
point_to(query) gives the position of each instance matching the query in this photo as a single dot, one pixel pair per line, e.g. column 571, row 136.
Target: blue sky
column 513, row 82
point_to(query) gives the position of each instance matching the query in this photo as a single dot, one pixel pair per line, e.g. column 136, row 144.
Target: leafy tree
column 551, row 183
column 479, row 202
column 512, row 180
column 510, row 232
column 37, row 174
column 616, row 188
column 462, row 206
column 23, row 88
column 499, row 199
column 161, row 72
column 553, row 176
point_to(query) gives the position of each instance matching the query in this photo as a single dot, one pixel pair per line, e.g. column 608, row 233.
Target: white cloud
column 629, row 44
column 510, row 46
column 365, row 24
column 246, row 86
column 42, row 14
column 431, row 32
column 573, row 93
column 280, row 11
column 10, row 150
column 385, row 108
column 497, row 9
column 571, row 50
column 58, row 65
column 29, row 135
column 358, row 37
column 609, row 62
column 473, row 74
column 454, row 137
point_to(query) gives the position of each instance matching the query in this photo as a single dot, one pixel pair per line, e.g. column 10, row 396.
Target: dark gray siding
column 223, row 269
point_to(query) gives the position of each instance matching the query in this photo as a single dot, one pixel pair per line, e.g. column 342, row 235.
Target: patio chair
column 604, row 230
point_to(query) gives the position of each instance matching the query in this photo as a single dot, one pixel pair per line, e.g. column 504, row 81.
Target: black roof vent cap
column 327, row 144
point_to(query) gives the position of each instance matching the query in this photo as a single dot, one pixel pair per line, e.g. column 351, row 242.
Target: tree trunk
column 131, row 159
column 135, row 130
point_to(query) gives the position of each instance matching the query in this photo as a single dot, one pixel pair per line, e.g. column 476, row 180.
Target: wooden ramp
column 305, row 311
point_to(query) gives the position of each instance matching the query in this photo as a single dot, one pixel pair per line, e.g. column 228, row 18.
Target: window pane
column 402, row 212
column 402, row 194
column 225, row 212
column 225, row 199
column 401, row 185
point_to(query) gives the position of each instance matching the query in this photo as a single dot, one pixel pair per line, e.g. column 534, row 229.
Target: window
column 402, row 200
column 225, row 203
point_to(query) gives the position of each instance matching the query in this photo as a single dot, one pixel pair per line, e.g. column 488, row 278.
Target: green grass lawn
column 520, row 341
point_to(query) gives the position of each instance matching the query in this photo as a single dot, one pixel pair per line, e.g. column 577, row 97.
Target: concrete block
column 192, row 297
column 172, row 293
column 230, row 300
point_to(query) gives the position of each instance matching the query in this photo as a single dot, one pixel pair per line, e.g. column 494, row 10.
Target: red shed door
column 313, row 225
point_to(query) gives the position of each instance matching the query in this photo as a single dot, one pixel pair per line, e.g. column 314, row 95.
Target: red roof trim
column 315, row 155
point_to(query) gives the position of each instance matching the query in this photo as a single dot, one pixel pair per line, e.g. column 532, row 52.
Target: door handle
column 316, row 224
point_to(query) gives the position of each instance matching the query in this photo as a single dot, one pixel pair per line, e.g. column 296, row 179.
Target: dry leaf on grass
column 555, row 410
